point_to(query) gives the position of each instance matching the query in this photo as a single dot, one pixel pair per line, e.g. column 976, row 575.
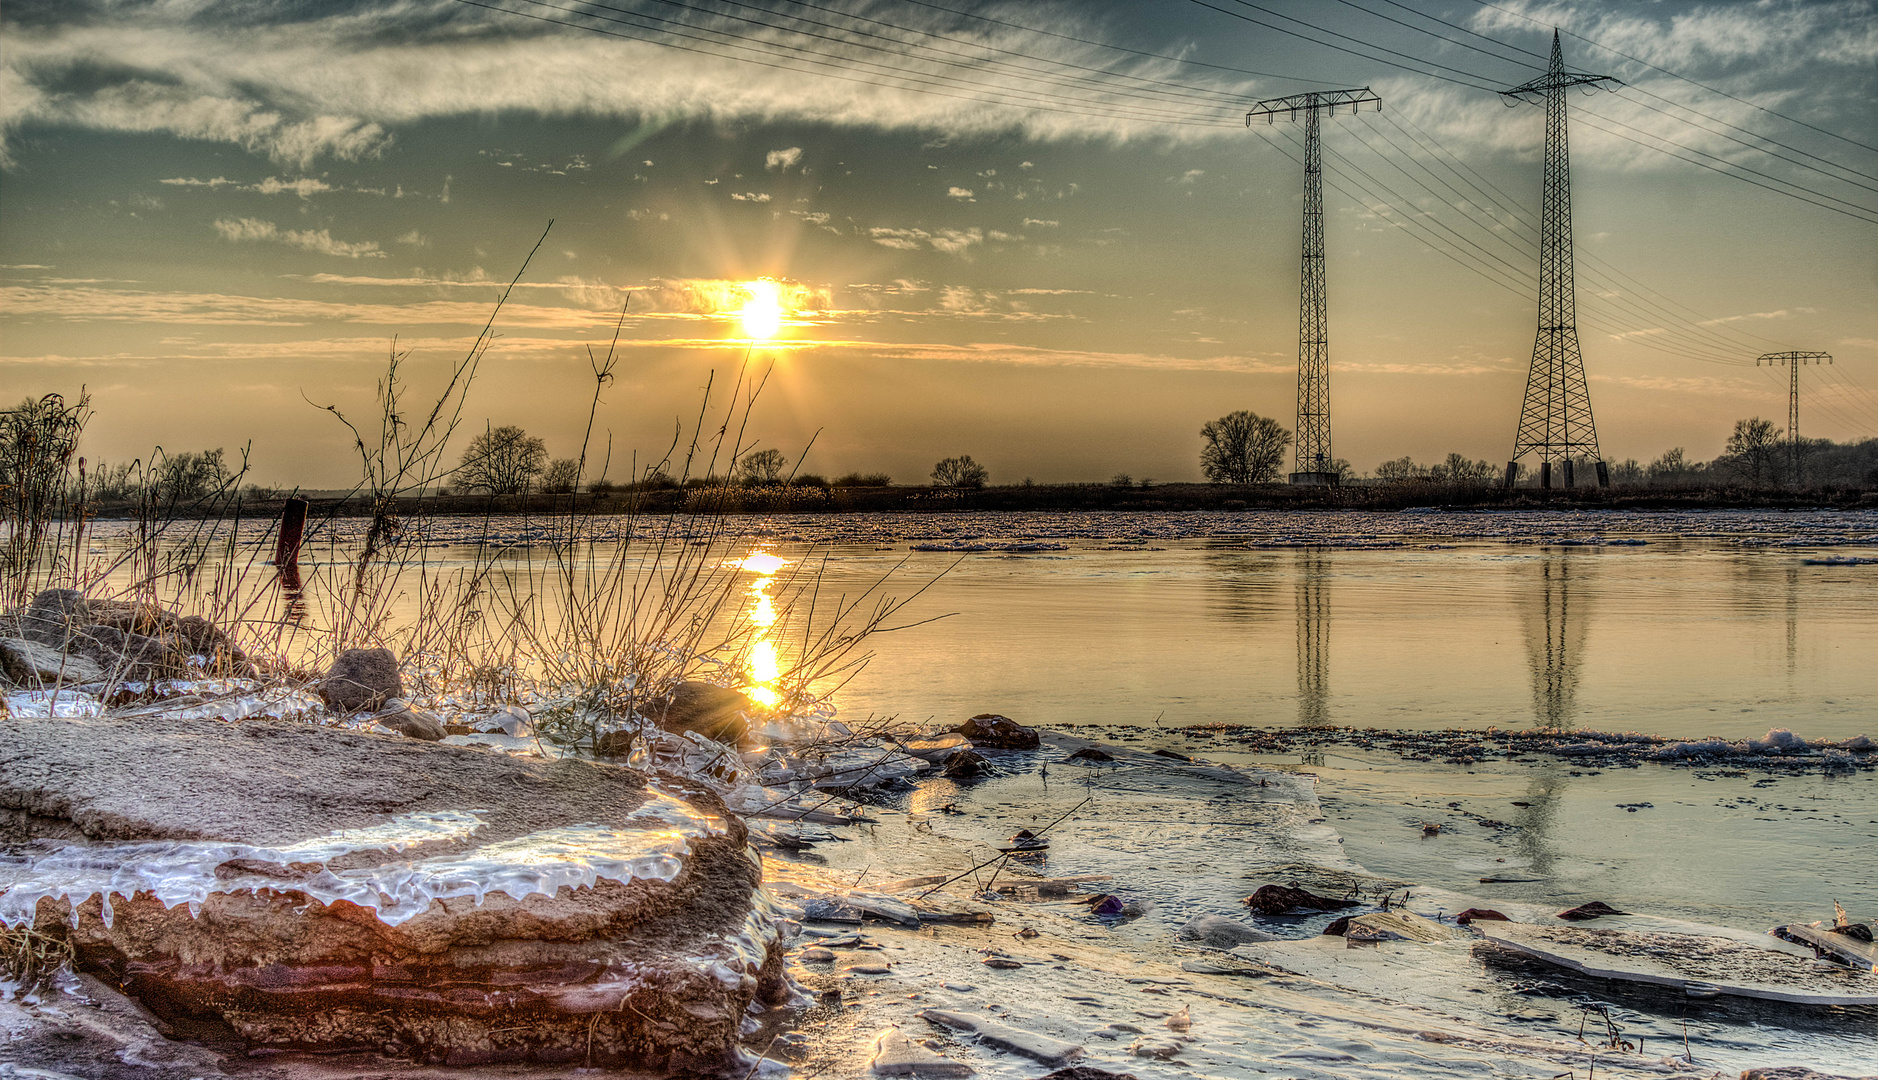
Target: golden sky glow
column 207, row 238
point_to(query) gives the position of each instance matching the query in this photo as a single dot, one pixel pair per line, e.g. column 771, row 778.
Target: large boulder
column 128, row 640
column 327, row 890
column 715, row 712
column 361, row 680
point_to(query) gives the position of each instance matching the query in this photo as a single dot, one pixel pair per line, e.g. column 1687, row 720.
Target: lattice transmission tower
column 1794, row 361
column 1314, row 463
column 1555, row 421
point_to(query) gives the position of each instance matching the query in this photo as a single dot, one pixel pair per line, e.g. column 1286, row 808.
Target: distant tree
column 1752, row 450
column 1243, row 448
column 1122, row 480
column 561, row 476
column 860, row 479
column 960, row 472
column 1628, row 472
column 186, row 476
column 1458, row 469
column 1670, row 468
column 1345, row 471
column 761, row 468
column 1401, row 470
column 502, row 461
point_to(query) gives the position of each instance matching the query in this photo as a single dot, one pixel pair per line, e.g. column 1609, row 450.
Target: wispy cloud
column 783, row 160
column 315, row 240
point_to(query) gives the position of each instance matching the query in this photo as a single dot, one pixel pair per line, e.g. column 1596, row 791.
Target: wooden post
column 292, row 528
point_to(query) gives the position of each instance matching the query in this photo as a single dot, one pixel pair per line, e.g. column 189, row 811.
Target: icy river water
column 1133, row 627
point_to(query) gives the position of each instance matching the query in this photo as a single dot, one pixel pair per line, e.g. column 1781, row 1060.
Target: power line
column 899, row 80
column 1691, row 82
column 1332, row 45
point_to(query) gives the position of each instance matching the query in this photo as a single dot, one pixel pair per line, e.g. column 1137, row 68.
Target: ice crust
column 652, row 844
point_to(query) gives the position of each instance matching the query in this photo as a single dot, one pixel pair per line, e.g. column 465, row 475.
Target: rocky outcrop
column 322, row 889
column 412, row 723
column 115, row 640
column 28, row 663
column 361, row 680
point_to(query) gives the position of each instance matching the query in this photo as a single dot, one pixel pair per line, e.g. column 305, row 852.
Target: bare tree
column 561, row 477
column 960, row 472
column 1243, row 448
column 762, row 468
column 502, row 461
column 1752, row 450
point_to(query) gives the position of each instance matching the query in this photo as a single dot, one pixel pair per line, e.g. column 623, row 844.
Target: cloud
column 960, row 193
column 320, row 240
column 297, row 83
column 1191, row 175
column 751, row 196
column 305, row 187
column 1039, row 223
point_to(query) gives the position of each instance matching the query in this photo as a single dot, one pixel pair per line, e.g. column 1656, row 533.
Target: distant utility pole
column 1555, row 421
column 1313, row 461
column 1794, row 361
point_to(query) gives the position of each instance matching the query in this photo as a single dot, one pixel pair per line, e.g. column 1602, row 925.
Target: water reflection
column 765, row 668
column 1555, row 640
column 1312, row 587
column 1246, row 585
column 294, row 592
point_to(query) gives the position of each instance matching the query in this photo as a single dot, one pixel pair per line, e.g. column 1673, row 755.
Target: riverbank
column 1019, row 498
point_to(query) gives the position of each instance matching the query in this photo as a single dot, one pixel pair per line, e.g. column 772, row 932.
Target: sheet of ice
column 651, row 844
column 39, row 704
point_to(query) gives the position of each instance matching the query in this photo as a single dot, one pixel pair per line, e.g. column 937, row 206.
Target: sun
column 762, row 313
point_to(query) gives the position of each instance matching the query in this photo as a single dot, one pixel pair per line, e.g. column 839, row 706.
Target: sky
column 1042, row 234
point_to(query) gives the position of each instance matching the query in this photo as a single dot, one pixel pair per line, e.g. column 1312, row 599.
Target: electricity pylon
column 1555, row 421
column 1794, row 361
column 1314, row 463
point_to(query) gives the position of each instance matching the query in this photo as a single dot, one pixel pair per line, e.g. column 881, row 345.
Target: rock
column 1219, row 932
column 1004, row 1037
column 53, row 617
column 361, row 680
column 1338, row 926
column 1156, row 1047
column 1279, row 899
column 995, row 732
column 1314, row 1053
column 130, row 656
column 817, row 955
column 897, row 1055
column 870, row 967
column 409, row 722
column 322, row 890
column 1093, row 754
column 1085, row 1072
column 967, row 765
column 1594, row 910
column 1485, row 914
column 1002, row 963
column 714, row 712
column 28, row 663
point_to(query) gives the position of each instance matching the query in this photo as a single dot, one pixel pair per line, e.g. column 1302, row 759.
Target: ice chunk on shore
column 652, row 844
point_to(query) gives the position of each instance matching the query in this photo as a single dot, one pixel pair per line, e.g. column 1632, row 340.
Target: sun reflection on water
column 765, row 666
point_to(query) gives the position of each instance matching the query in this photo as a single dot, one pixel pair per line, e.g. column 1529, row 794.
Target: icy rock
column 1005, row 1037
column 991, row 731
column 514, row 721
column 715, row 712
column 1795, row 1072
column 936, row 750
column 967, row 765
column 1278, row 899
column 817, row 955
column 1219, row 932
column 1400, row 926
column 1777, row 741
column 241, row 871
column 411, row 723
column 28, row 663
column 1156, row 1047
column 361, row 680
column 897, row 1055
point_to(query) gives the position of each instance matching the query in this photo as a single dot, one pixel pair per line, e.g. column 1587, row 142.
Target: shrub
column 960, row 472
column 860, row 479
